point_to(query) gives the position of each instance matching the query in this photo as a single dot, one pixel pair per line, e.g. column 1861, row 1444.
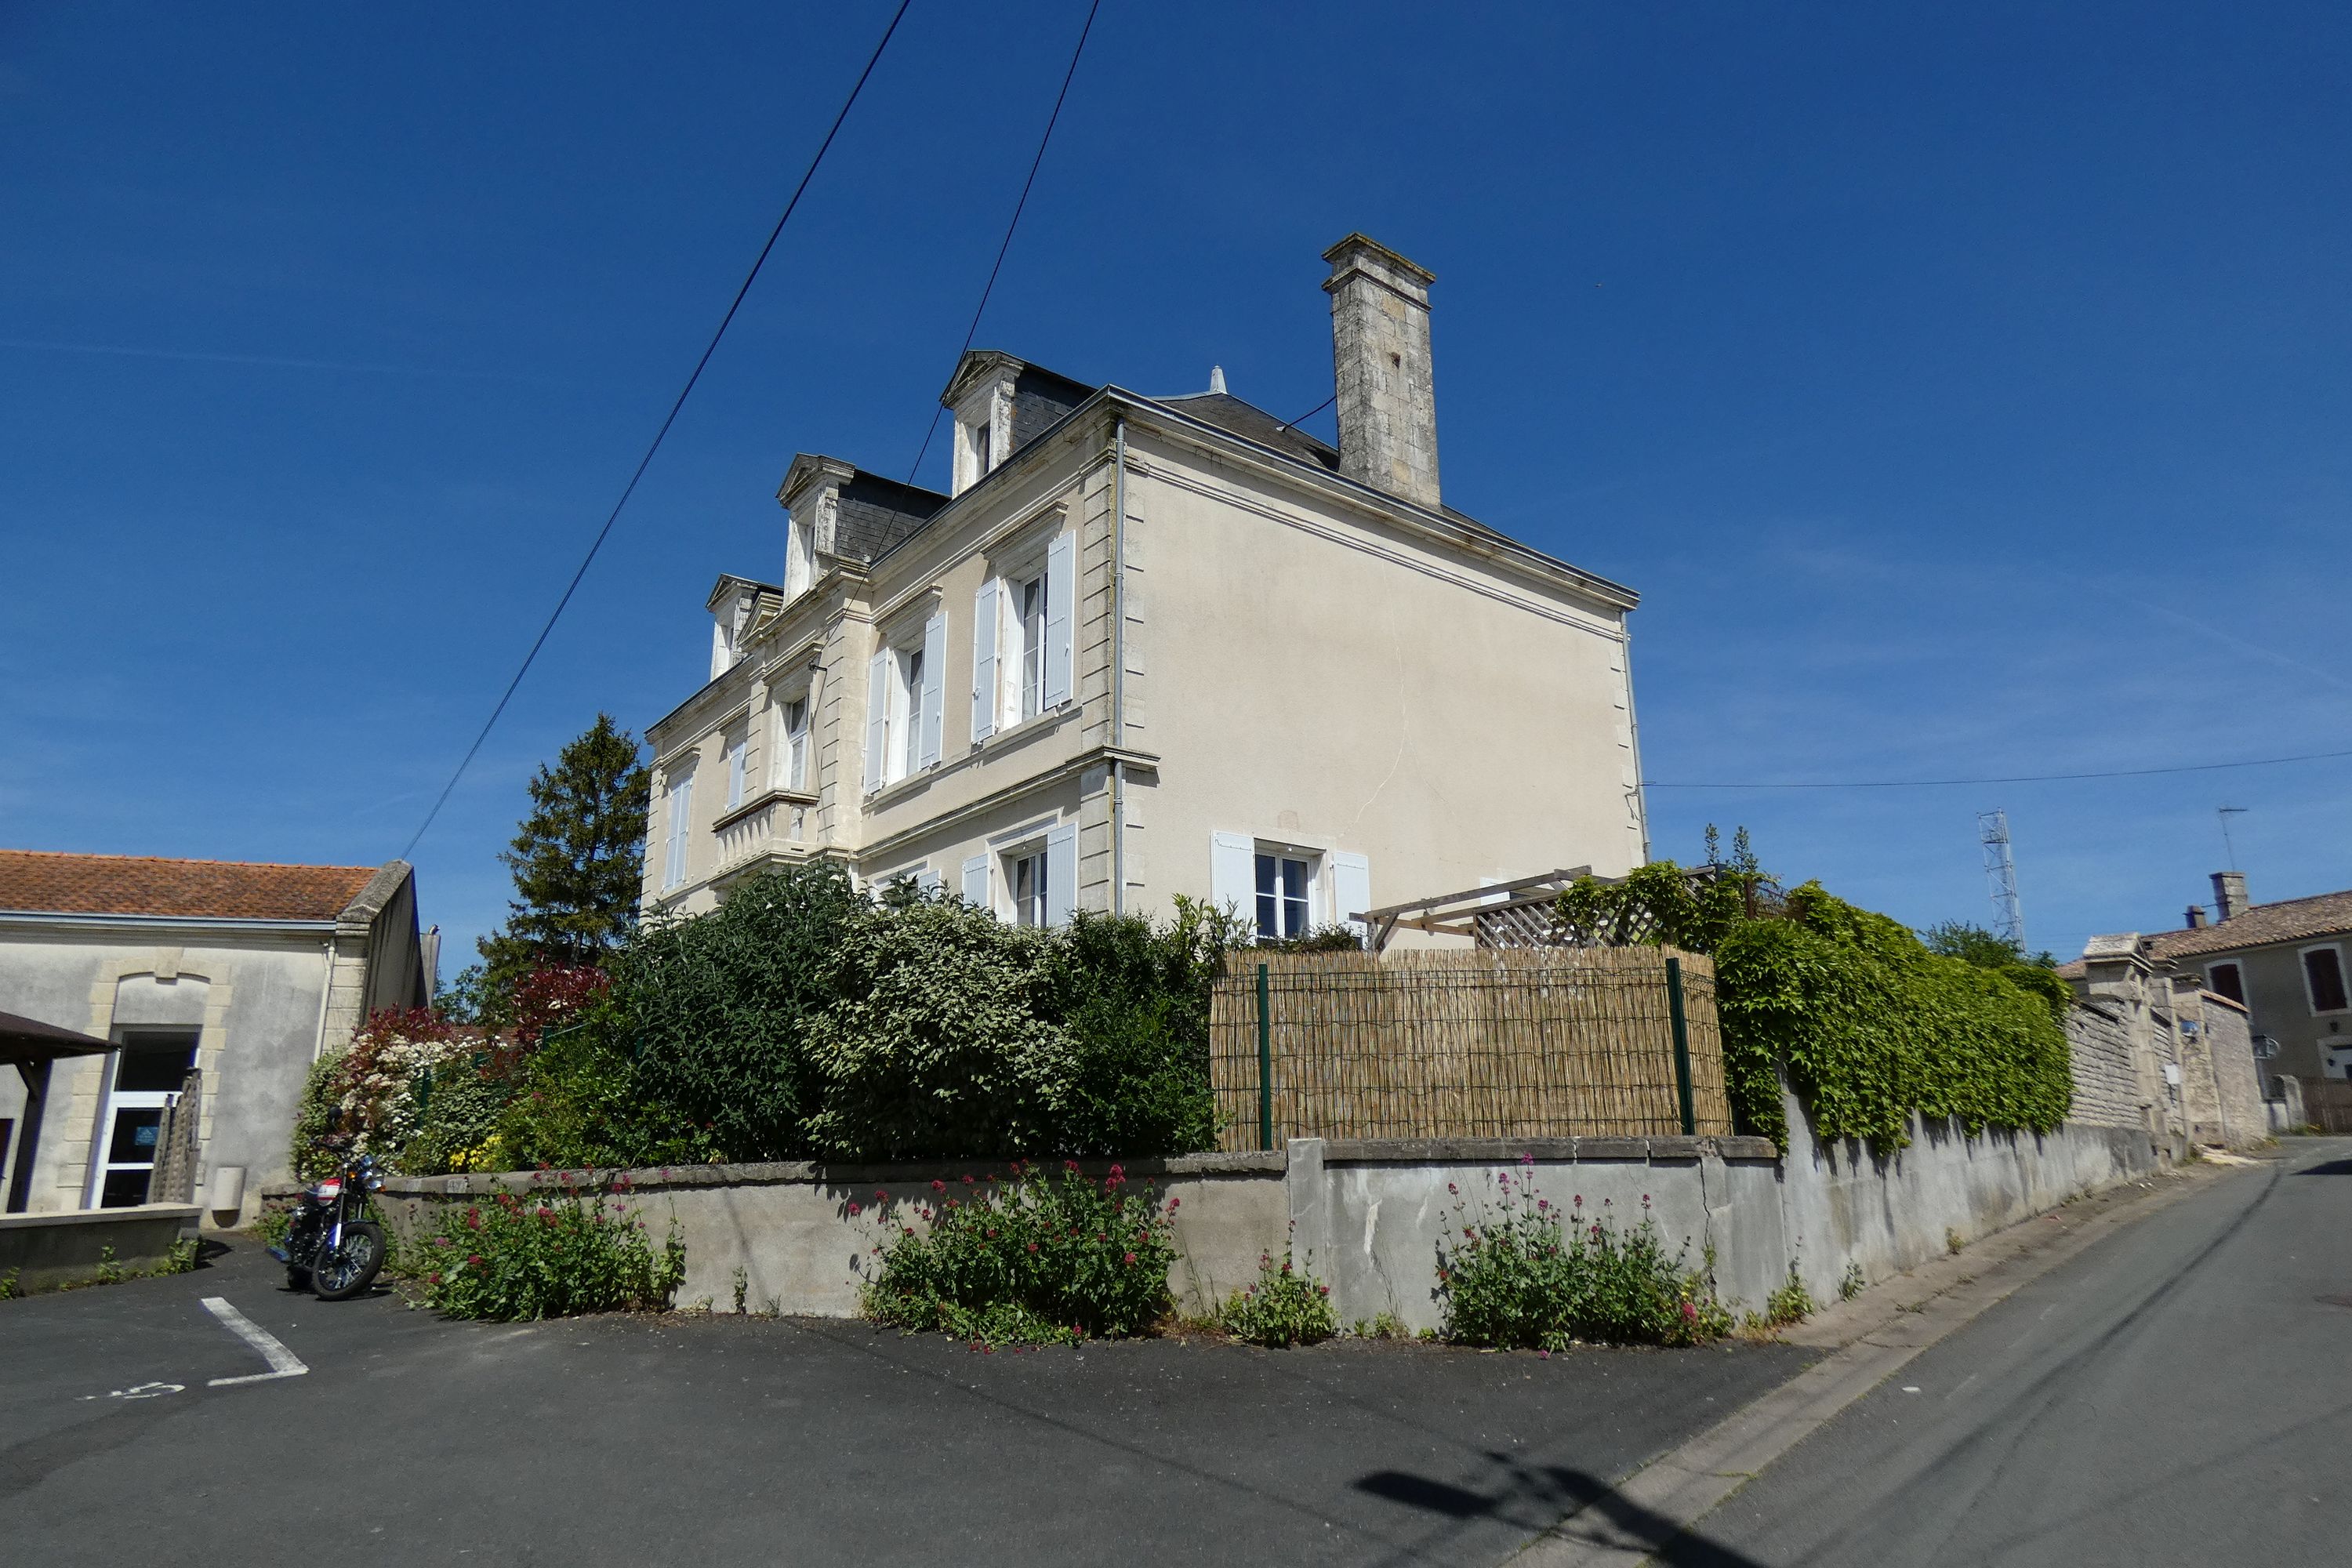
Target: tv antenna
column 2001, row 873
column 2225, row 812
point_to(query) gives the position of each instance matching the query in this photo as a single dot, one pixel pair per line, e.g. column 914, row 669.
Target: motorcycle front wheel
column 349, row 1267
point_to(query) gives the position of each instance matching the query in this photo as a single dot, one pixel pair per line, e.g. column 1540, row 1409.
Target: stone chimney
column 2196, row 917
column 1379, row 352
column 2229, row 895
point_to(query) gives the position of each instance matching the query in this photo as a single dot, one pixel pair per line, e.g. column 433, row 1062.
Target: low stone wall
column 46, row 1251
column 1369, row 1216
column 790, row 1228
column 1841, row 1206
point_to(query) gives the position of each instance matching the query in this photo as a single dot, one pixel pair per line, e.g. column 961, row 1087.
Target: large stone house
column 1153, row 646
column 2289, row 964
column 247, row 972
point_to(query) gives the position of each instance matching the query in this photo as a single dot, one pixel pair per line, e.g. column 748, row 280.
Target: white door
column 144, row 1077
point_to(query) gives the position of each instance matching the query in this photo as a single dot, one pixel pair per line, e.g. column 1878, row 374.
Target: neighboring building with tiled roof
column 202, row 889
column 1147, row 648
column 2289, row 963
column 244, row 973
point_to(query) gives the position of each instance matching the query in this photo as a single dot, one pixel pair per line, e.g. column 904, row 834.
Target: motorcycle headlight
column 376, row 1183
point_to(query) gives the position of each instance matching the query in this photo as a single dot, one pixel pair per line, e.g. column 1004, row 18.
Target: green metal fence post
column 1682, row 1046
column 1265, row 1065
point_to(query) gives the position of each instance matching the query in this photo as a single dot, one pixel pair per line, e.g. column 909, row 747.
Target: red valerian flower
column 1033, row 1246
column 880, row 1196
column 1130, row 1258
column 938, row 1186
column 433, row 1280
column 855, row 1211
column 474, row 1258
column 1069, row 1164
column 967, row 1181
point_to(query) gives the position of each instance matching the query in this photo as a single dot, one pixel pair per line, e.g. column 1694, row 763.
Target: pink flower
column 938, row 1186
column 1527, row 1159
column 880, row 1196
column 1690, row 1313
column 1069, row 1164
column 1130, row 1258
column 1542, row 1204
column 855, row 1211
column 967, row 1181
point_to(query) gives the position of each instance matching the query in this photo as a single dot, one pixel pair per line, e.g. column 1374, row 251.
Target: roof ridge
column 180, row 860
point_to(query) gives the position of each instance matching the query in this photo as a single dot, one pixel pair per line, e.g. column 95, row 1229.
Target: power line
column 1311, row 413
column 973, row 331
column 2019, row 778
column 671, row 418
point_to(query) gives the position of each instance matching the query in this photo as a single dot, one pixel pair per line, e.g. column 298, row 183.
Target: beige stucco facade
column 258, row 999
column 1244, row 652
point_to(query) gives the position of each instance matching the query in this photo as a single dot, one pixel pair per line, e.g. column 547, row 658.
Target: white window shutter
column 1232, row 874
column 1351, row 889
column 1061, row 588
column 928, row 882
column 877, row 710
column 984, row 662
column 934, row 694
column 975, row 882
column 1061, row 873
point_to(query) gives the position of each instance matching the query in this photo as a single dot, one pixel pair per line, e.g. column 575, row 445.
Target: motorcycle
column 329, row 1250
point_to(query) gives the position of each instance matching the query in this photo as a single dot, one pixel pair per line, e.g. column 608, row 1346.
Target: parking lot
column 720, row 1440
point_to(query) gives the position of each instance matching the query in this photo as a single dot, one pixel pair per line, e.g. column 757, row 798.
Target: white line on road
column 283, row 1362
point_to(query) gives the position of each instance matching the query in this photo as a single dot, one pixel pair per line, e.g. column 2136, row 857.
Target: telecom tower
column 2000, row 872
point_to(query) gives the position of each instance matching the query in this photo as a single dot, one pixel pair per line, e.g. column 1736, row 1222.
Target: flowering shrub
column 1530, row 1276
column 1031, row 1259
column 1286, row 1307
column 528, row 1256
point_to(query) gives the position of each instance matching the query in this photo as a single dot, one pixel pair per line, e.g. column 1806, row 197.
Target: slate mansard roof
column 42, row 882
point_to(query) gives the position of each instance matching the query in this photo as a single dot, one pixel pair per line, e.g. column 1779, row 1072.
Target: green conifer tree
column 577, row 861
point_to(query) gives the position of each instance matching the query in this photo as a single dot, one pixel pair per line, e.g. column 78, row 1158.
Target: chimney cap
column 2196, row 917
column 1361, row 252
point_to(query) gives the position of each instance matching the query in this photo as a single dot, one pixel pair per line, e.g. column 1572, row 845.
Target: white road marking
column 283, row 1362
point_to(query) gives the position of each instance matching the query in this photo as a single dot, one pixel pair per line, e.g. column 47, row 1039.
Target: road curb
column 1869, row 1337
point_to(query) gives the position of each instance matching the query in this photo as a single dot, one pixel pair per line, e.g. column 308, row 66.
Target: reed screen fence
column 1524, row 1043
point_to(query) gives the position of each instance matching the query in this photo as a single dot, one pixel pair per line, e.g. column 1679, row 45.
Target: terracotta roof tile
column 137, row 885
column 2291, row 920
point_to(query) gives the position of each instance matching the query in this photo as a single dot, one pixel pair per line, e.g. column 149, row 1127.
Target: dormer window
column 981, row 396
column 976, row 444
column 796, row 559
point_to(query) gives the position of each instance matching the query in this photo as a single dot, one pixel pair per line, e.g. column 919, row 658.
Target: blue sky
column 1964, row 392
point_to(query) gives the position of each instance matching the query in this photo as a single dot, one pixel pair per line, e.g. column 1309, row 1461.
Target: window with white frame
column 792, row 757
column 904, row 698
column 735, row 751
column 2323, row 977
column 1021, row 657
column 1286, row 895
column 680, row 813
column 1027, row 876
column 1029, row 637
column 907, row 715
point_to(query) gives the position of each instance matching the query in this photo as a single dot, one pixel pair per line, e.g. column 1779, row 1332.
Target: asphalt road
column 2179, row 1394
column 722, row 1441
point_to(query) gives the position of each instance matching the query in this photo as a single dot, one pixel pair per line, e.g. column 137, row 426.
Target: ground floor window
column 1284, row 884
column 149, row 1071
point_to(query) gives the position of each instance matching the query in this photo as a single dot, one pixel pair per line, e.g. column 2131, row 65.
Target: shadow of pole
column 1533, row 1496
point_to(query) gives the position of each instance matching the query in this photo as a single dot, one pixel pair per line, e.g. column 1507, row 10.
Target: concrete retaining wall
column 49, row 1250
column 1367, row 1218
column 1842, row 1206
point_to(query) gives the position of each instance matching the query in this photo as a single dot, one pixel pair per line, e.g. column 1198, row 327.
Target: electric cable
column 2019, row 778
column 671, row 418
column 990, row 287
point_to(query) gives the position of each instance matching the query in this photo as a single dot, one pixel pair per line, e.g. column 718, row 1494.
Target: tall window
column 1030, row 602
column 681, row 814
column 2323, row 970
column 792, row 762
column 1283, row 906
column 1029, row 888
column 909, row 741
column 735, row 774
column 2225, row 981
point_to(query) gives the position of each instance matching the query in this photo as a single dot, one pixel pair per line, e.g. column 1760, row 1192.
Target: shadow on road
column 2330, row 1168
column 1534, row 1496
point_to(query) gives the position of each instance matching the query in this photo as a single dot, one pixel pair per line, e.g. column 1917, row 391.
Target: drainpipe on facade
column 326, row 989
column 1118, row 665
column 1633, row 731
